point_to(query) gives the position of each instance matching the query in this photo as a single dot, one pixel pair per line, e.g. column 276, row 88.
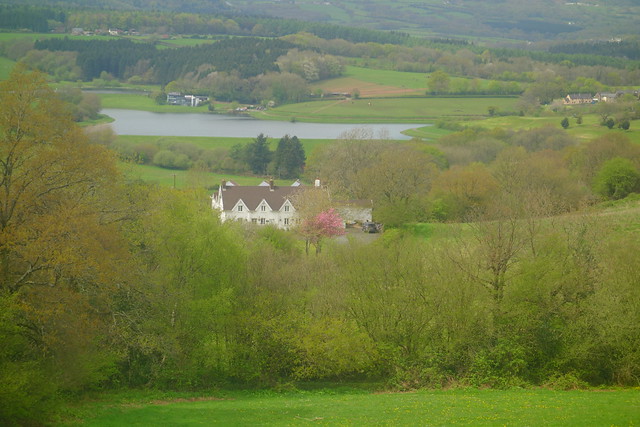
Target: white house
column 264, row 204
column 270, row 204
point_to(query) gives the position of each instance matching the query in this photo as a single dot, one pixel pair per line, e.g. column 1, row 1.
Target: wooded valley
column 509, row 253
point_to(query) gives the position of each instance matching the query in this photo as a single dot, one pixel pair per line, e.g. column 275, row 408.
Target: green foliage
column 624, row 124
column 617, row 178
column 610, row 123
column 289, row 158
column 439, row 82
column 564, row 123
column 258, row 155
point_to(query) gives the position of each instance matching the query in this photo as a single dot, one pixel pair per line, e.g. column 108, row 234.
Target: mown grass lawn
column 357, row 408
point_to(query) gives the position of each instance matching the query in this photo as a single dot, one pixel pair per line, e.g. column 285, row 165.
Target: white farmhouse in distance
column 264, row 204
column 270, row 204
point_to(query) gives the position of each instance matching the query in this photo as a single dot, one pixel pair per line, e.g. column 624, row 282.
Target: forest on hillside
column 109, row 283
column 511, row 21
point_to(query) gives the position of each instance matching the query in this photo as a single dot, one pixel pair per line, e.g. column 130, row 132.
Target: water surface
column 134, row 122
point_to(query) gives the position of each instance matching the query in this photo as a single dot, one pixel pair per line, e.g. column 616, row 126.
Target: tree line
column 33, row 18
column 256, row 157
column 250, row 56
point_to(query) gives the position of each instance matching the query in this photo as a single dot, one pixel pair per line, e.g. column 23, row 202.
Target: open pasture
column 466, row 407
column 130, row 101
column 397, row 110
column 210, row 143
column 6, row 65
column 186, row 179
column 588, row 130
column 376, row 83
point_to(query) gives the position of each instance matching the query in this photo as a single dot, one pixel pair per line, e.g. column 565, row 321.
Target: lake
column 134, row 122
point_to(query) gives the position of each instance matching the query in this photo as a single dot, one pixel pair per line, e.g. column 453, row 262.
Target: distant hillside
column 504, row 19
column 192, row 6
column 493, row 20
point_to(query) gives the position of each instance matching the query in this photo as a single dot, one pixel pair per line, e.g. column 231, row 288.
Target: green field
column 211, row 143
column 6, row 65
column 589, row 129
column 130, row 101
column 376, row 83
column 182, row 178
column 186, row 179
column 358, row 408
column 397, row 110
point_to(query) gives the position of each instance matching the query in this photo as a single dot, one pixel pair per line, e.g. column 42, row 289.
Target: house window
column 286, row 208
column 239, row 208
column 263, row 208
column 286, row 221
column 254, row 220
column 262, row 221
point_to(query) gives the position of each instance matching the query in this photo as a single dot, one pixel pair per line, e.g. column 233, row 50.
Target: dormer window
column 239, row 208
column 263, row 208
column 286, row 208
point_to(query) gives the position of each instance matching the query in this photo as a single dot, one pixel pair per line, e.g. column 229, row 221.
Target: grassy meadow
column 376, row 83
column 588, row 130
column 211, row 143
column 132, row 101
column 184, row 178
column 387, row 110
column 6, row 65
column 327, row 407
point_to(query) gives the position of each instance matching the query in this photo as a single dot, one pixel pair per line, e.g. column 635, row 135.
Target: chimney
column 317, row 182
column 271, row 185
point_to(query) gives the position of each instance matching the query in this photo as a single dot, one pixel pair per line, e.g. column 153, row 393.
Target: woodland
column 509, row 257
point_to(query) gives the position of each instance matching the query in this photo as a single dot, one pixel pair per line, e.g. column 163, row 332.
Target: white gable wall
column 283, row 218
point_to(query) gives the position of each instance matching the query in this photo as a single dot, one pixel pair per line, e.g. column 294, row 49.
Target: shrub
column 617, row 178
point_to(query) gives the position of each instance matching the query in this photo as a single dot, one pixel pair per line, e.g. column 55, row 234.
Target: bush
column 617, row 178
column 170, row 160
column 568, row 381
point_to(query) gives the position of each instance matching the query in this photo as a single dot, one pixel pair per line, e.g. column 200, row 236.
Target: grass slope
column 187, row 179
column 393, row 110
column 468, row 407
column 588, row 130
column 6, row 65
column 129, row 101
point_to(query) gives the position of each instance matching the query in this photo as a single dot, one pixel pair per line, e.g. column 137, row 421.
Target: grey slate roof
column 252, row 195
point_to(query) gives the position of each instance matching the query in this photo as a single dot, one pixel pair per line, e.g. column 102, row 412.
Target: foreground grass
column 466, row 407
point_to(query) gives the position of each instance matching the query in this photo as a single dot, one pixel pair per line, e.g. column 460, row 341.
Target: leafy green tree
column 610, row 123
column 564, row 123
column 258, row 155
column 62, row 251
column 289, row 157
column 438, row 82
column 624, row 124
column 617, row 178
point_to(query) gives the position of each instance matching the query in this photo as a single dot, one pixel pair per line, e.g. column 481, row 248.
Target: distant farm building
column 177, row 98
column 578, row 98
